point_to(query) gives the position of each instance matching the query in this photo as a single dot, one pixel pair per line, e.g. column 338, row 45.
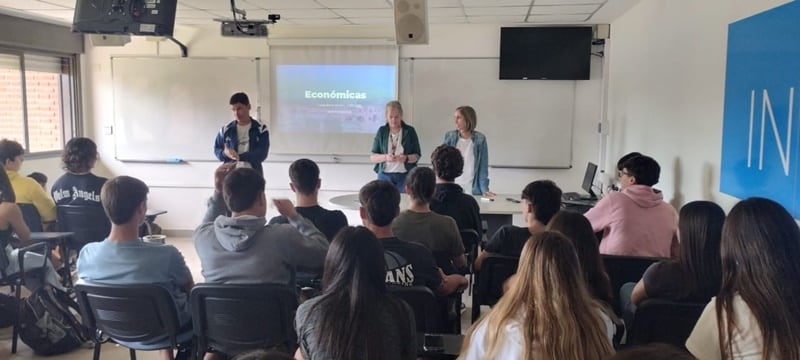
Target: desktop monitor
column 588, row 179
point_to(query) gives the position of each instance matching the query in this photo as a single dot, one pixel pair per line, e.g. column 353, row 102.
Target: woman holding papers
column 473, row 147
column 395, row 150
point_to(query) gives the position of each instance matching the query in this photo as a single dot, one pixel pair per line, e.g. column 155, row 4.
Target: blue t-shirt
column 137, row 262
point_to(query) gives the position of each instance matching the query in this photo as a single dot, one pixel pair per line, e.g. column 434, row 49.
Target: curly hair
column 78, row 155
column 448, row 163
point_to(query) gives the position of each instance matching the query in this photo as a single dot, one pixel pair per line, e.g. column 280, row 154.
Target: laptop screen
column 588, row 179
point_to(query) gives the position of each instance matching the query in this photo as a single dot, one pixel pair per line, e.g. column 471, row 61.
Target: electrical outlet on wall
column 108, row 129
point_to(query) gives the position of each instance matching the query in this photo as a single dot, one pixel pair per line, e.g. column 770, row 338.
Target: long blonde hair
column 557, row 311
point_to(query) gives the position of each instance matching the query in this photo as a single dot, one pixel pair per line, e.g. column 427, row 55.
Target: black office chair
column 89, row 223
column 130, row 313
column 470, row 238
column 664, row 321
column 427, row 311
column 625, row 269
column 17, row 280
column 495, row 270
column 235, row 318
column 32, row 217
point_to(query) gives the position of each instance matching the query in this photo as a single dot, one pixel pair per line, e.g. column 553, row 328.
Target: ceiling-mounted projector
column 247, row 28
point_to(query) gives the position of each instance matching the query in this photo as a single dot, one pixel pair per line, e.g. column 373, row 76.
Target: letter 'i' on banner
column 411, row 21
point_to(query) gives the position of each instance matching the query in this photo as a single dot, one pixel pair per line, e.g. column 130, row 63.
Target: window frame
column 70, row 91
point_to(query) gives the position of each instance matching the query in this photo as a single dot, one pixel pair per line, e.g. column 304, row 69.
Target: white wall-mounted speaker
column 411, row 21
column 109, row 40
column 602, row 31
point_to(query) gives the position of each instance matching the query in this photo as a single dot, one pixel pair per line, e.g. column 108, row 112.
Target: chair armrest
column 21, row 255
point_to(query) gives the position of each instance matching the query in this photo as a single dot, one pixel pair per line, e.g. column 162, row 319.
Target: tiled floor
column 111, row 351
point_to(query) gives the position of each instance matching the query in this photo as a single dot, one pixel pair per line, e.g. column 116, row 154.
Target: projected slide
column 332, row 98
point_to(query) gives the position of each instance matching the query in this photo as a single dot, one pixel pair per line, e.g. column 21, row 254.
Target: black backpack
column 48, row 323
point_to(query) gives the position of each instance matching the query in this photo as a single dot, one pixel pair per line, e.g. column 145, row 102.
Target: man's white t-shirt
column 465, row 146
column 396, row 143
column 243, row 139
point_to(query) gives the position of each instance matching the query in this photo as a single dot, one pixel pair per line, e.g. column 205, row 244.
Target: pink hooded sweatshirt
column 635, row 222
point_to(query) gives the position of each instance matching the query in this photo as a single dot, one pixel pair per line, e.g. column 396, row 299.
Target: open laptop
column 588, row 182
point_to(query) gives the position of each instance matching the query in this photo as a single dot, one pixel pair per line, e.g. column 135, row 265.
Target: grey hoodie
column 244, row 250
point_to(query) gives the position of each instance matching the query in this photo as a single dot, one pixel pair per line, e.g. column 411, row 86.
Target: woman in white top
column 548, row 313
column 759, row 301
column 473, row 147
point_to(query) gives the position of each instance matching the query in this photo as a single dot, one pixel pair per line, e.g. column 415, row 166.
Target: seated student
column 304, row 175
column 407, row 263
column 355, row 318
column 755, row 315
column 547, row 313
column 40, row 178
column 541, row 200
column 621, row 164
column 636, row 221
column 579, row 231
column 78, row 186
column 438, row 233
column 11, row 224
column 240, row 249
column 449, row 198
column 124, row 259
column 695, row 275
column 27, row 190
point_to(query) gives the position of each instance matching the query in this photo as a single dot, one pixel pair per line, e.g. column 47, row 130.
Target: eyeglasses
column 623, row 172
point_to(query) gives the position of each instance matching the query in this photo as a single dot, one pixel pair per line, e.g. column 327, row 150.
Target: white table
column 496, row 213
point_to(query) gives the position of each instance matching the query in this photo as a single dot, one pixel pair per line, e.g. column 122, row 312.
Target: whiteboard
column 172, row 108
column 527, row 123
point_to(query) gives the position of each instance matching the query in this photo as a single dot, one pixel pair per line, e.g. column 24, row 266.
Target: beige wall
column 666, row 85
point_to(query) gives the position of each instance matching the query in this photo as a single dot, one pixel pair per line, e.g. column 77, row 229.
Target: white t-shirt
column 703, row 343
column 511, row 344
column 396, row 143
column 243, row 138
column 465, row 180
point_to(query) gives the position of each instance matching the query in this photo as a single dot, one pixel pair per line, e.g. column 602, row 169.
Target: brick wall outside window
column 11, row 125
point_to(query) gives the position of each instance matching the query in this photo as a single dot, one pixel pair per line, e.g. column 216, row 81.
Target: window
column 37, row 100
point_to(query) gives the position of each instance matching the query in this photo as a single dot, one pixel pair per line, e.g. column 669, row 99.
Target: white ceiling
column 360, row 12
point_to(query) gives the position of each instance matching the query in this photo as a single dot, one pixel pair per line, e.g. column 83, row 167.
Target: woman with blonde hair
column 548, row 313
column 472, row 144
column 395, row 149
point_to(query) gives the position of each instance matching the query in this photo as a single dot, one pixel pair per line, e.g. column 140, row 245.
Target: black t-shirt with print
column 72, row 189
column 410, row 264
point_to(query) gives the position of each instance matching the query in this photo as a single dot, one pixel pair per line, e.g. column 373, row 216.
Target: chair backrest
column 235, row 318
column 129, row 313
column 427, row 311
column 89, row 223
column 31, row 217
column 664, row 321
column 495, row 270
column 625, row 269
column 470, row 238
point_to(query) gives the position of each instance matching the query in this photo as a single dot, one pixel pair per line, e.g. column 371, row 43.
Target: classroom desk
column 60, row 239
column 496, row 213
column 580, row 206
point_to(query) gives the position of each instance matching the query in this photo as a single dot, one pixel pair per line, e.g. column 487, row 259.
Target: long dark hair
column 6, row 191
column 700, row 227
column 354, row 292
column 760, row 252
column 578, row 230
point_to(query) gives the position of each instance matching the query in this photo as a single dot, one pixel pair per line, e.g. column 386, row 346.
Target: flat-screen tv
column 545, row 53
column 135, row 17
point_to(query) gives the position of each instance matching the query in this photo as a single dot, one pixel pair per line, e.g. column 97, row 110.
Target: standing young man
column 244, row 140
